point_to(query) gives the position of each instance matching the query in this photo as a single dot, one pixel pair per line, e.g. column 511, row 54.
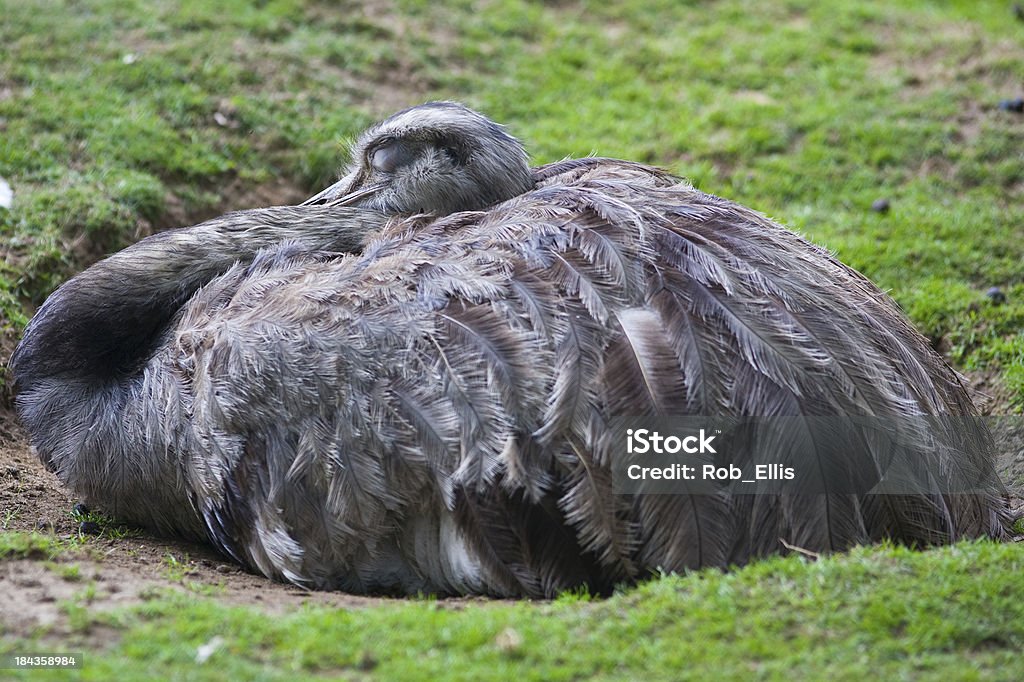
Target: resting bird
column 410, row 384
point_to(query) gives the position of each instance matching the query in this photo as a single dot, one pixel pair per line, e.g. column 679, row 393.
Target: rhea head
column 436, row 158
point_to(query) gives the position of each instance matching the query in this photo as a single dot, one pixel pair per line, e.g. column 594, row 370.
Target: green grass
column 106, row 528
column 844, row 618
column 20, row 545
column 806, row 111
column 69, row 572
column 15, row 544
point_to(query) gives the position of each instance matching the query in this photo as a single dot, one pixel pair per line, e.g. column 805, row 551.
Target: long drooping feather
column 435, row 413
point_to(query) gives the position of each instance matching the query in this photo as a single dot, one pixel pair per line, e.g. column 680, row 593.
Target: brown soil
column 962, row 56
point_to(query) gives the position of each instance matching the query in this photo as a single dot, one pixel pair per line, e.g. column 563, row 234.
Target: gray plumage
column 351, row 398
column 87, row 386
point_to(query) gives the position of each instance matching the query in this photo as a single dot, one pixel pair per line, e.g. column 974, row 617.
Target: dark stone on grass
column 367, row 661
column 80, row 510
column 1015, row 105
column 45, row 526
column 996, row 295
column 880, row 206
column 89, row 528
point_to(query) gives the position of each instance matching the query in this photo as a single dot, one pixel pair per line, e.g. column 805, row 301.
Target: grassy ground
column 842, row 618
column 119, row 117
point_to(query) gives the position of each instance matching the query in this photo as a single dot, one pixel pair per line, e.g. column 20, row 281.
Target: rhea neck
column 104, row 323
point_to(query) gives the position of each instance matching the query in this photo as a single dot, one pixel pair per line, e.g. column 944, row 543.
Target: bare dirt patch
column 995, row 402
column 959, row 63
column 954, row 53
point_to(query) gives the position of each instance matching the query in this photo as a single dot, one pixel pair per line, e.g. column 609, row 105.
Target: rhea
column 415, row 381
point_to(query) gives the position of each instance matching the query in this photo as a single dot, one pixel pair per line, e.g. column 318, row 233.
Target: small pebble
column 1014, row 105
column 367, row 661
column 509, row 641
column 996, row 295
column 12, row 472
column 80, row 510
column 224, row 568
column 89, row 528
column 880, row 206
column 45, row 526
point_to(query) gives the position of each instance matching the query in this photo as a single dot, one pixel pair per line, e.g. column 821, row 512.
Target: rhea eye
column 390, row 157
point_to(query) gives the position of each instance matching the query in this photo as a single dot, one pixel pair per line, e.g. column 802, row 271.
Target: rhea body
column 366, row 400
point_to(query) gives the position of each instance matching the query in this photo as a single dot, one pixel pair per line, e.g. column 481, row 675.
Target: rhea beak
column 344, row 192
